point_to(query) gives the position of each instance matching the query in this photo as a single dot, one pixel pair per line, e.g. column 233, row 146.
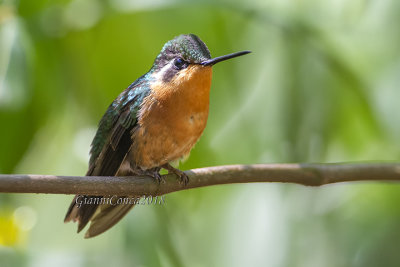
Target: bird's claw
column 160, row 179
column 183, row 177
column 153, row 173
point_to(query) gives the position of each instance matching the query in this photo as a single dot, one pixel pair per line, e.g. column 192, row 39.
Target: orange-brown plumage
column 173, row 117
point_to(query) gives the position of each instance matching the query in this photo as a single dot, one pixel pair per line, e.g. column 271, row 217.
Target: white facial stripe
column 160, row 74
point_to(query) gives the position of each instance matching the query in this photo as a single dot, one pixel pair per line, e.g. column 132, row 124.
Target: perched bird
column 155, row 121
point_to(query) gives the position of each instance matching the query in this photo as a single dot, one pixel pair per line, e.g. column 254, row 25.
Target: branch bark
column 304, row 174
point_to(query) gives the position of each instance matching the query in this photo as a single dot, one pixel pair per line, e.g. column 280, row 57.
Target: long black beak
column 215, row 60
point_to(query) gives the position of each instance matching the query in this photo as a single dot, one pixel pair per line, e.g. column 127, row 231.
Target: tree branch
column 304, row 174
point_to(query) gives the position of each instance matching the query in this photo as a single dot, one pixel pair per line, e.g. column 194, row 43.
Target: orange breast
column 172, row 117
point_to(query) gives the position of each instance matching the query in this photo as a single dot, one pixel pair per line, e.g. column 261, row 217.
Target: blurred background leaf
column 322, row 85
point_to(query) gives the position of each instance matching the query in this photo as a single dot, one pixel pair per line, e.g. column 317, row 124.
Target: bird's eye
column 179, row 63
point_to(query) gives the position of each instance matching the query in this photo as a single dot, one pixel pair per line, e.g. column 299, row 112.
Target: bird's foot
column 183, row 178
column 154, row 173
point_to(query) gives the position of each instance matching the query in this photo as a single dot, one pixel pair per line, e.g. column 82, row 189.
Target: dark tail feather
column 102, row 216
column 106, row 218
column 81, row 214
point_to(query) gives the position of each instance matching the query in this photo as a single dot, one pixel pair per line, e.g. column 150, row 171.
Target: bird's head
column 186, row 54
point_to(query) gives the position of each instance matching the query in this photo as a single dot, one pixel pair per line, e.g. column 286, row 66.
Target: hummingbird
column 152, row 124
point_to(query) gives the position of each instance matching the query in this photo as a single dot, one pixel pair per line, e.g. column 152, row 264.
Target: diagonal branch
column 305, row 174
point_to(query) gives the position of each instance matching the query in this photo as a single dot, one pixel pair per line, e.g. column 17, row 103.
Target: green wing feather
column 110, row 145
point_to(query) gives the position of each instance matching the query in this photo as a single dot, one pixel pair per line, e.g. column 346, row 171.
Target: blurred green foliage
column 322, row 85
